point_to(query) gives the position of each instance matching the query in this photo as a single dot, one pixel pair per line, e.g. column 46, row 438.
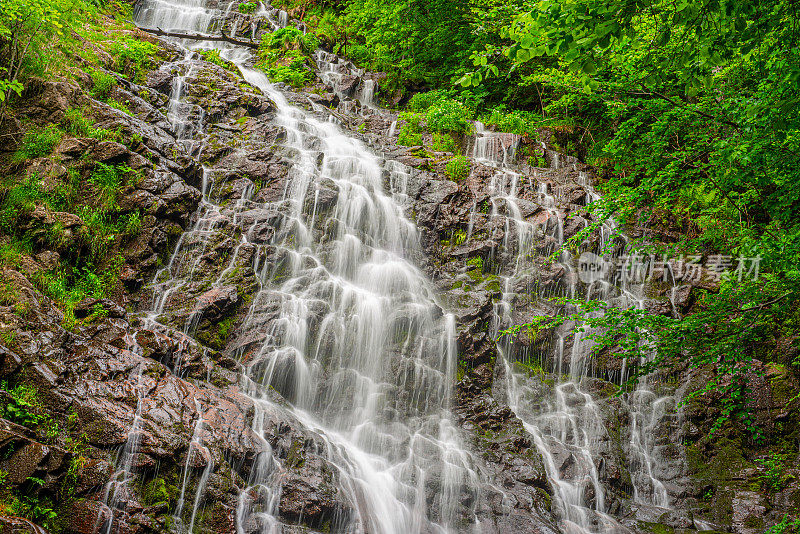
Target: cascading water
column 567, row 424
column 356, row 340
column 348, row 330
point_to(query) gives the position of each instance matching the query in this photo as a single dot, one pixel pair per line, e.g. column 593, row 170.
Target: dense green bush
column 132, row 56
column 103, row 83
column 443, row 142
column 410, row 133
column 449, row 116
column 285, row 56
column 247, row 7
column 422, row 101
column 457, row 168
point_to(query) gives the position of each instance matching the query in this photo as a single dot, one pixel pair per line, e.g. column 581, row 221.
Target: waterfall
column 359, row 345
column 350, row 331
column 567, row 424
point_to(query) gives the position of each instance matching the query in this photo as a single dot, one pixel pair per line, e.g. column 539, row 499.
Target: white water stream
column 360, row 346
column 567, row 424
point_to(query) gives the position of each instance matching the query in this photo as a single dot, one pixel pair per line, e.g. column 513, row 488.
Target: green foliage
column 422, row 101
column 7, row 87
column 449, row 116
column 285, row 56
column 132, row 56
column 90, row 264
column 411, row 41
column 457, row 168
column 513, row 121
column 24, row 406
column 247, row 7
column 116, row 104
column 443, row 142
column 103, row 83
column 786, row 526
column 108, row 179
column 38, row 142
column 39, row 511
column 212, row 56
column 77, row 123
column 410, row 133
column 774, row 475
column 25, row 27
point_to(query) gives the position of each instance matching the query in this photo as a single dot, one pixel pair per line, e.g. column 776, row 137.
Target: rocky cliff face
column 152, row 426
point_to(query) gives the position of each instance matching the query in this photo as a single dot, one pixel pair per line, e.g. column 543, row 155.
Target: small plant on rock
column 457, row 168
column 38, row 142
column 247, row 7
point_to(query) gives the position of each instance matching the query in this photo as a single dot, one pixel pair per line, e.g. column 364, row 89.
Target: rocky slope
column 152, row 388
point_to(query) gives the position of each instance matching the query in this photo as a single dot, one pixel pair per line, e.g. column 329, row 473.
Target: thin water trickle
column 567, row 422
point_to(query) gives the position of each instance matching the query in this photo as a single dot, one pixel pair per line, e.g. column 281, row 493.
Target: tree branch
column 202, row 37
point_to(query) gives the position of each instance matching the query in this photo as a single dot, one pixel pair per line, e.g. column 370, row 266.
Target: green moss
column 155, row 491
column 295, row 458
column 656, row 528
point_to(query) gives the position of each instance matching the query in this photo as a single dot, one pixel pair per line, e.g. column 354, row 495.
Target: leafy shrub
column 116, row 104
column 774, row 476
column 24, row 407
column 212, row 56
column 289, row 67
column 422, row 101
column 290, row 38
column 457, row 168
column 38, row 142
column 786, row 526
column 514, row 121
column 247, row 7
column 39, row 511
column 449, row 116
column 284, row 56
column 133, row 56
column 411, row 132
column 443, row 142
column 103, row 83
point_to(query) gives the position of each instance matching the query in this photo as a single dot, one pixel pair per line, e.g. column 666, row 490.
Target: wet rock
column 52, row 98
column 90, row 306
column 217, row 302
column 347, row 85
column 160, row 80
column 109, row 152
column 18, row 525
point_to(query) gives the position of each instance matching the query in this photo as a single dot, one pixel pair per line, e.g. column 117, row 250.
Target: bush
column 443, row 142
column 284, row 56
column 289, row 67
column 457, row 168
column 422, row 101
column 411, row 132
column 515, row 121
column 38, row 142
column 449, row 116
column 247, row 7
column 212, row 56
column 133, row 56
column 103, row 83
